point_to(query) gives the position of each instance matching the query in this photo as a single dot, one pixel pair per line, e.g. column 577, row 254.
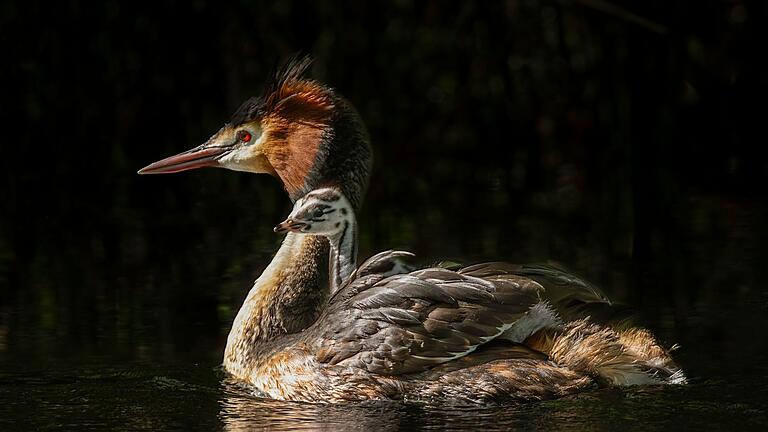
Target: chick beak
column 282, row 226
column 289, row 225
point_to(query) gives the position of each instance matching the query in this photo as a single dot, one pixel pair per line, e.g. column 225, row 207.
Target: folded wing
column 410, row 322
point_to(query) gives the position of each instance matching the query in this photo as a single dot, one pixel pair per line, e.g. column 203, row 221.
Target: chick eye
column 318, row 213
column 245, row 136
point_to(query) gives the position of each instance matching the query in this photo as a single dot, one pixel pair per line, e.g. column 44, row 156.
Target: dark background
column 622, row 139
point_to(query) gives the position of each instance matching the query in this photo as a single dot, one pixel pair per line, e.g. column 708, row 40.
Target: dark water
column 627, row 143
column 134, row 342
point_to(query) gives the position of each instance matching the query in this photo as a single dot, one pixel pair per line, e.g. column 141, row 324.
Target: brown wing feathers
column 409, row 322
column 560, row 286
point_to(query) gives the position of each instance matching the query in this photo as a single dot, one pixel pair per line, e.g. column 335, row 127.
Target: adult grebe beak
column 198, row 157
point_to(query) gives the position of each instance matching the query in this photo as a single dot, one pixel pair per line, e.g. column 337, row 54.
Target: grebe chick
column 327, row 212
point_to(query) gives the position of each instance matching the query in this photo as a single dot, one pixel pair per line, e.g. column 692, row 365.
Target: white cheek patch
column 241, row 158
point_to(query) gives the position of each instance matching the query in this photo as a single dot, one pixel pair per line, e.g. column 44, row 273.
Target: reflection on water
column 241, row 411
column 147, row 397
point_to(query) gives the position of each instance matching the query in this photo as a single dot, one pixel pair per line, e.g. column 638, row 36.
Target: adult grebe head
column 323, row 211
column 300, row 131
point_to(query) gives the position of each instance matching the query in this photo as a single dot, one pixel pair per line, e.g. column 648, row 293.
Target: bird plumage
column 484, row 332
column 411, row 323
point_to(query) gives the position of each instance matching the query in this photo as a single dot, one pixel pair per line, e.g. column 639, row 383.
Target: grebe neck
column 343, row 254
column 287, row 298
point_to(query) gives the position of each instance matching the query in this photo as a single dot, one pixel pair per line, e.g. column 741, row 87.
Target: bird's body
column 314, row 329
column 433, row 333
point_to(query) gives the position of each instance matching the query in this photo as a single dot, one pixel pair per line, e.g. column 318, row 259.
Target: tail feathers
column 628, row 357
column 657, row 361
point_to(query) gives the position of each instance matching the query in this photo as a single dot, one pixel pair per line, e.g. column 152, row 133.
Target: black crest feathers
column 281, row 87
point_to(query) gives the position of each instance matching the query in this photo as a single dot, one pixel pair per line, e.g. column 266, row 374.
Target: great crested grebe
column 286, row 341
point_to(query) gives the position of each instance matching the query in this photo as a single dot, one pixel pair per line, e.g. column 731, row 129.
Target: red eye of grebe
column 245, row 137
